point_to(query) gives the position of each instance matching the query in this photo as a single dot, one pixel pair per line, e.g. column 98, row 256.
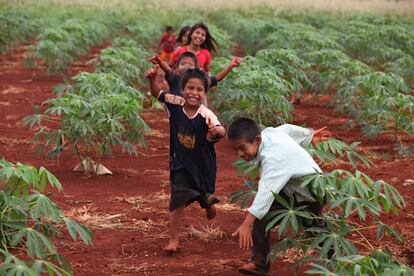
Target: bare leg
column 176, row 217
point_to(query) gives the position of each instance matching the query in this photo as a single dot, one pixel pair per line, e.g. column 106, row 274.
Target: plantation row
column 297, row 57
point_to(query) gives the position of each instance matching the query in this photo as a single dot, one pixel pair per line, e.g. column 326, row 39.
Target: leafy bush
column 60, row 45
column 287, row 65
column 256, row 92
column 379, row 102
column 29, row 219
column 16, row 28
column 147, row 30
column 128, row 62
column 402, row 67
column 96, row 113
column 330, row 67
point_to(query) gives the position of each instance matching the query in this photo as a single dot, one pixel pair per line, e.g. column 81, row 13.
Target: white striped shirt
column 282, row 159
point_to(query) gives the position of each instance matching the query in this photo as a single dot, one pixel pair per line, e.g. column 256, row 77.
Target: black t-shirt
column 174, row 81
column 189, row 146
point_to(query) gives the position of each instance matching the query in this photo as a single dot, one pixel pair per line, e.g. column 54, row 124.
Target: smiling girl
column 194, row 130
column 201, row 43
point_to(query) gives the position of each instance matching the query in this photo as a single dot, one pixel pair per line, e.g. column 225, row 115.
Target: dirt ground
column 128, row 211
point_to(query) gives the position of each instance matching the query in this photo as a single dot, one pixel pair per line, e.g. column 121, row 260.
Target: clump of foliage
column 16, row 28
column 125, row 60
column 402, row 67
column 29, row 219
column 252, row 90
column 379, row 102
column 93, row 115
column 60, row 45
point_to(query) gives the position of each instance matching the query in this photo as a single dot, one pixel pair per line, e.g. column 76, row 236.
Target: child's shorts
column 183, row 191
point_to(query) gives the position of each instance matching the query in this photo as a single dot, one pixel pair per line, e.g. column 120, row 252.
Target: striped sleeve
column 272, row 180
column 302, row 136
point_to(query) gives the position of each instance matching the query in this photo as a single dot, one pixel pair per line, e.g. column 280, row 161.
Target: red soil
column 128, row 211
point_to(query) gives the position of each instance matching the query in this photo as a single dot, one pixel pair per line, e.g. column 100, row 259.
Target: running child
column 194, row 130
column 283, row 161
column 200, row 43
column 167, row 44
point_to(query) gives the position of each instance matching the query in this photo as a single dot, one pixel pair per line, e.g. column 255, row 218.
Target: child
column 201, row 43
column 182, row 38
column 194, row 130
column 283, row 162
column 185, row 61
column 168, row 44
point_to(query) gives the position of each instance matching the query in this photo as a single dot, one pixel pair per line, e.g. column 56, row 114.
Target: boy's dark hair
column 210, row 43
column 195, row 74
column 169, row 29
column 184, row 55
column 243, row 128
column 183, row 30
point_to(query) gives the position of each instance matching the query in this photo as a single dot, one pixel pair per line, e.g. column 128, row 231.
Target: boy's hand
column 215, row 132
column 245, row 236
column 235, row 62
column 152, row 72
column 321, row 135
column 155, row 59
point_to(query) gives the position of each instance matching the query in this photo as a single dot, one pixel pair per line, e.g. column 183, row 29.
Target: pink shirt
column 203, row 57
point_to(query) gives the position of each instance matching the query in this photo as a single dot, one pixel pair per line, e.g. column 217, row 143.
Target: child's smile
column 194, row 92
column 198, row 37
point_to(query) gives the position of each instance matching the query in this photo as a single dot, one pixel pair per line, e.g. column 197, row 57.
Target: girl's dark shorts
column 184, row 191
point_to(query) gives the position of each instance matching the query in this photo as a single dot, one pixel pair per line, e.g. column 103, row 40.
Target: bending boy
column 283, row 160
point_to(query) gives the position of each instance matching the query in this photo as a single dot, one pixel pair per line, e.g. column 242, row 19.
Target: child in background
column 185, row 61
column 167, row 44
column 283, row 161
column 182, row 38
column 194, row 130
column 200, row 43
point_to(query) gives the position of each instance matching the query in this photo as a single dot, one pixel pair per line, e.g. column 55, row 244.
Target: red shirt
column 203, row 57
column 168, row 43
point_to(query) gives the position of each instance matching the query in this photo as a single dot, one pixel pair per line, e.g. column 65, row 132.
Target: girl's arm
column 235, row 62
column 164, row 66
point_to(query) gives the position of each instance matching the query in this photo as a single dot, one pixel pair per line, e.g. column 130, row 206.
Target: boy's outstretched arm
column 164, row 66
column 235, row 62
column 150, row 74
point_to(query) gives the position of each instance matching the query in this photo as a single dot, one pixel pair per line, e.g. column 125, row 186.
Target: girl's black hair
column 184, row 55
column 210, row 43
column 195, row 74
column 243, row 128
column 183, row 30
column 169, row 29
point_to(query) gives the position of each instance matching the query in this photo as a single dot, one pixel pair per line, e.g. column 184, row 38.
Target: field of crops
column 84, row 148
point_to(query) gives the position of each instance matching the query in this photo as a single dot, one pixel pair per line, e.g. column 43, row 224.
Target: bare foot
column 211, row 212
column 172, row 247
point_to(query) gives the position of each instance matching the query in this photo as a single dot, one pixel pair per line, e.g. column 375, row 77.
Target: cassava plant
column 254, row 91
column 128, row 62
column 351, row 198
column 379, row 102
column 29, row 219
column 93, row 115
